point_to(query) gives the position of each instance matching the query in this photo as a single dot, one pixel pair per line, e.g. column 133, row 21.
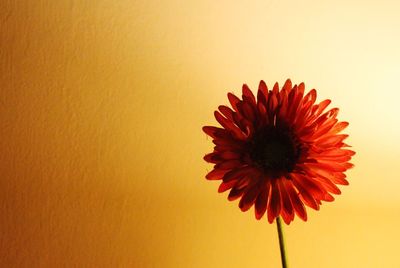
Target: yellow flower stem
column 281, row 242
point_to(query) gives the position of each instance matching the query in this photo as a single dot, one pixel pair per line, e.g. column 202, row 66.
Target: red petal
column 329, row 115
column 230, row 147
column 235, row 193
column 336, row 177
column 339, row 127
column 296, row 202
column 249, row 197
column 301, row 87
column 287, row 208
column 283, row 108
column 262, row 94
column 230, row 142
column 212, row 158
column 339, row 178
column 216, row 174
column 262, row 201
column 274, row 202
column 339, row 159
column 248, row 96
column 273, row 104
column 229, row 164
column 313, row 187
column 245, row 125
column 335, row 165
column 226, row 111
column 331, row 141
column 211, row 131
column 310, row 97
column 308, row 199
column 332, row 166
column 225, row 186
column 230, row 155
column 321, row 107
column 288, row 85
column 324, row 128
column 336, row 152
column 227, row 124
column 294, row 103
column 233, row 101
column 328, row 185
column 238, row 173
column 303, row 116
column 275, row 89
column 216, row 157
column 245, row 181
column 248, row 111
column 328, row 198
column 263, row 114
column 298, row 96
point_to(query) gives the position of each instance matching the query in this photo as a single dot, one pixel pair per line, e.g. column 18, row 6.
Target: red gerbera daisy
column 279, row 151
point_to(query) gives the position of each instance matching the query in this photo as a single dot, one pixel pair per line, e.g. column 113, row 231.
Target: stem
column 281, row 242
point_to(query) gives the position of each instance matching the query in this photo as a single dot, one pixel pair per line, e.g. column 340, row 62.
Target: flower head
column 278, row 151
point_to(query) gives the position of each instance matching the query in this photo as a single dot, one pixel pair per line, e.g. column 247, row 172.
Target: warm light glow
column 101, row 109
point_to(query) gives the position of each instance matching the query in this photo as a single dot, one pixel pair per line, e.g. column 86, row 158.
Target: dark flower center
column 274, row 150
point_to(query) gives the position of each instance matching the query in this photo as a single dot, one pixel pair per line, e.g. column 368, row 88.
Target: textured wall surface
column 101, row 108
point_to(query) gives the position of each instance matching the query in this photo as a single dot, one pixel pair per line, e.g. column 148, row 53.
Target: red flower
column 279, row 151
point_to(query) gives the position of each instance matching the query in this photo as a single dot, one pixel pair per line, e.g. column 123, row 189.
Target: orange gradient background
column 101, row 109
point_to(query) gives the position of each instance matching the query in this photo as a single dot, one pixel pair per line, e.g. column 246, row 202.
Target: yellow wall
column 101, row 108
